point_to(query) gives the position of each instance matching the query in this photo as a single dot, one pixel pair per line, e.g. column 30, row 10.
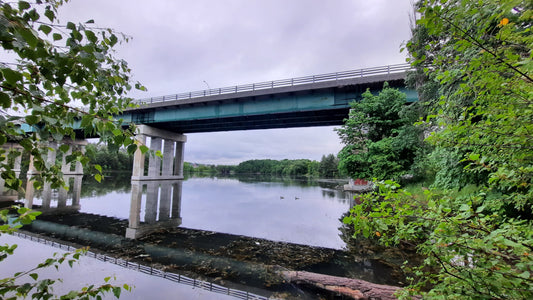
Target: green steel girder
column 303, row 108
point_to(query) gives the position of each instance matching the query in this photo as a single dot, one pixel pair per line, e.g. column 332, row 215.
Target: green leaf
column 49, row 14
column 116, row 291
column 117, row 132
column 34, row 276
column 29, row 37
column 57, row 36
column 98, row 177
column 32, row 119
column 91, row 36
column 64, row 148
column 11, row 76
column 98, row 167
column 45, row 28
column 23, row 5
column 144, row 149
column 473, row 156
column 131, row 149
column 5, row 100
column 71, row 26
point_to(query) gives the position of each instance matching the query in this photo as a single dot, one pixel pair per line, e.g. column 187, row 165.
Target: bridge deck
column 320, row 100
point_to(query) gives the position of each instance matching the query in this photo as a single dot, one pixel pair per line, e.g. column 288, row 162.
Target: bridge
column 319, row 100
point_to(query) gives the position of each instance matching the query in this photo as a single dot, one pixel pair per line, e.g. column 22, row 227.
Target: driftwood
column 353, row 288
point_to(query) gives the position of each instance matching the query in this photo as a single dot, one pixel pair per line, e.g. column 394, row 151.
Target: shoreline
column 225, row 259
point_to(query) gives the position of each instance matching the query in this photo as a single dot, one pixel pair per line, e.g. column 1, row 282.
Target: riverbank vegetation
column 380, row 138
column 326, row 168
column 116, row 159
column 47, row 70
column 473, row 71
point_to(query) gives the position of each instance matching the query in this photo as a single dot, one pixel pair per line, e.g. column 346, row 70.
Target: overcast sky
column 180, row 46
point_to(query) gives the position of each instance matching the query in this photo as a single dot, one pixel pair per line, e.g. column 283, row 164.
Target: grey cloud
column 177, row 45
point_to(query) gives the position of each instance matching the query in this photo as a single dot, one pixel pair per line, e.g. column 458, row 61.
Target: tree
column 380, row 140
column 109, row 159
column 63, row 80
column 478, row 244
column 329, row 166
column 60, row 77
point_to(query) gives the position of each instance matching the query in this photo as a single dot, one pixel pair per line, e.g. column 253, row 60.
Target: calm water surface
column 289, row 210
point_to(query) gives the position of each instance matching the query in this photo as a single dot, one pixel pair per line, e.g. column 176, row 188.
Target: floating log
column 349, row 287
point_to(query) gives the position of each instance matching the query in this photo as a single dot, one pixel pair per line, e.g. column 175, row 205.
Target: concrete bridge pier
column 162, row 208
column 170, row 144
column 13, row 155
column 68, row 170
column 163, row 181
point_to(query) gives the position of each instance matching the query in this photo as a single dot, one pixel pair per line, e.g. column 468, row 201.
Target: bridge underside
column 326, row 104
column 263, row 121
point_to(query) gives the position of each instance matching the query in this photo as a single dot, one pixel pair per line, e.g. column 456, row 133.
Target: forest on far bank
column 327, row 167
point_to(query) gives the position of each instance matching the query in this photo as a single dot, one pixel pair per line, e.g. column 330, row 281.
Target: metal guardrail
column 390, row 69
column 208, row 286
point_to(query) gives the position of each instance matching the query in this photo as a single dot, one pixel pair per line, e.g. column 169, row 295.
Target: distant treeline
column 327, row 167
column 109, row 159
column 119, row 160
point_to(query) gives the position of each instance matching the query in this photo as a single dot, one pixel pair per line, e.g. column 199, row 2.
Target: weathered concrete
column 165, row 215
column 11, row 149
column 170, row 145
column 66, row 169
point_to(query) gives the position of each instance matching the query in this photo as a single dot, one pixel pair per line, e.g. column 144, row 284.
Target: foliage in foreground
column 27, row 283
column 480, row 243
column 55, row 77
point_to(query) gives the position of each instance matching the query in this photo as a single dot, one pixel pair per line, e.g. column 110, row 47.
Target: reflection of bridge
column 318, row 100
column 160, row 207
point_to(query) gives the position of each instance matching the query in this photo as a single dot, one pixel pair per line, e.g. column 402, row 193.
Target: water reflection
column 297, row 210
column 162, row 206
column 50, row 200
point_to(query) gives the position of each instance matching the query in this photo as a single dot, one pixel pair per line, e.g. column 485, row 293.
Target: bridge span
column 318, row 100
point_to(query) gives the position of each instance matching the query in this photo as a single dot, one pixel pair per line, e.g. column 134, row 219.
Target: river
column 298, row 211
column 290, row 210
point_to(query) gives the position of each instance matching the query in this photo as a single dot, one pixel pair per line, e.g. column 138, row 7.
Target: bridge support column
column 170, row 144
column 13, row 158
column 50, row 160
column 162, row 209
column 163, row 182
